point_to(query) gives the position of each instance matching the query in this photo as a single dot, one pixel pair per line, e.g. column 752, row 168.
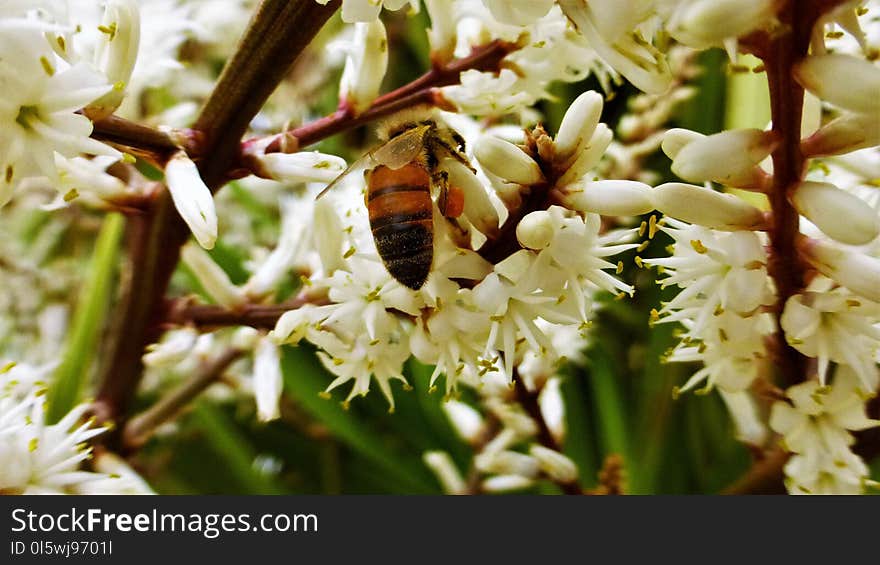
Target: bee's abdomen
column 400, row 208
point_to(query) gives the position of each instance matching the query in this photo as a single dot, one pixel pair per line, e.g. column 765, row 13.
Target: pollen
column 699, row 247
column 47, row 66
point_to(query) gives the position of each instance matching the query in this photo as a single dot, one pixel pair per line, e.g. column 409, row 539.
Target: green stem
column 88, row 321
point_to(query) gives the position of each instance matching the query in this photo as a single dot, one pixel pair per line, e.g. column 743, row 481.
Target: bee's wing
column 394, row 154
column 403, row 149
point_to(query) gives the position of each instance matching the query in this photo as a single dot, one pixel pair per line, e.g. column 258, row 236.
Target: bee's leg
column 455, row 153
column 450, row 199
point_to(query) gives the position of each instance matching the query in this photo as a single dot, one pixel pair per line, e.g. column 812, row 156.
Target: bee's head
column 406, row 120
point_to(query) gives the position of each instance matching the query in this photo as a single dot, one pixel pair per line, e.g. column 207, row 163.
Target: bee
column 401, row 174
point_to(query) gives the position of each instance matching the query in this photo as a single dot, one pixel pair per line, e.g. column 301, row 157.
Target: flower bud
column 588, row 157
column 109, row 463
column 518, row 12
column 268, row 381
column 556, row 465
column 842, row 80
column 212, row 277
column 744, row 413
column 675, row 140
column 610, row 197
column 506, row 483
column 728, row 157
column 840, row 215
column 513, row 417
column 856, row 271
column 507, row 161
column 192, row 198
column 535, row 231
column 507, row 463
column 245, row 338
column 553, row 408
column 174, row 348
column 304, row 166
column 465, row 420
column 478, row 209
column 709, row 22
column 117, row 54
column 847, row 133
column 578, row 125
column 446, row 472
column 366, row 65
column 703, row 206
column 442, row 35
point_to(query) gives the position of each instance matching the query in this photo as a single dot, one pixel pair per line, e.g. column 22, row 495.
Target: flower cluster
column 483, row 307
column 45, row 458
column 722, row 261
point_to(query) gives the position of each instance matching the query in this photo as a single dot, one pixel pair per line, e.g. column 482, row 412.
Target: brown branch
column 182, row 312
column 529, row 401
column 780, row 50
column 140, row 428
column 764, row 477
column 278, row 32
column 153, row 145
column 421, row 91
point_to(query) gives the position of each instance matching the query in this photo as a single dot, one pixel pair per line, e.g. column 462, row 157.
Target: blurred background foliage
column 620, row 402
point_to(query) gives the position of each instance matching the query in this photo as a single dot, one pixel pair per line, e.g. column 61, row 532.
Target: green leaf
column 88, row 321
column 232, row 448
column 305, row 378
column 580, row 435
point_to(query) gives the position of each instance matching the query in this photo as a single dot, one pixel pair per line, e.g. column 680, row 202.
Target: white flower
column 212, row 277
column 294, row 243
column 518, row 12
column 303, row 166
column 19, row 379
column 750, row 426
column 856, row 271
column 824, row 204
column 724, row 283
column 554, row 284
column 466, row 421
column 620, row 32
column 726, row 270
column 446, row 472
column 116, row 54
column 554, row 464
column 119, row 478
column 730, row 157
column 37, row 112
column 361, row 360
column 704, row 206
column 507, row 161
column 481, row 93
column 175, row 346
column 816, row 428
column 192, row 198
column 41, row 458
column 268, row 380
column 365, row 66
column 368, row 10
column 834, row 325
column 843, row 80
column 704, row 23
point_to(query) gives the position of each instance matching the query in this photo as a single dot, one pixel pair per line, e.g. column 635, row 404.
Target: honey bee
column 401, row 173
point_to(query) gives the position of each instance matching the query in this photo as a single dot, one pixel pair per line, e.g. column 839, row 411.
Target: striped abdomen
column 399, row 203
